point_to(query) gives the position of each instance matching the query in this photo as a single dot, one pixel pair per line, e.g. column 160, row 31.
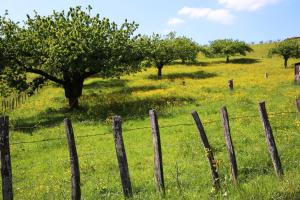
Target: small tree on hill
column 67, row 48
column 287, row 49
column 186, row 49
column 229, row 47
column 161, row 51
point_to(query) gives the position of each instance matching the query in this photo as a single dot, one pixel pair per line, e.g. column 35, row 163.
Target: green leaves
column 229, row 47
column 287, row 49
column 186, row 49
column 67, row 47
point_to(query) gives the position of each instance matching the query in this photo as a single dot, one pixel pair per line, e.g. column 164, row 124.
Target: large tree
column 287, row 49
column 229, row 47
column 68, row 47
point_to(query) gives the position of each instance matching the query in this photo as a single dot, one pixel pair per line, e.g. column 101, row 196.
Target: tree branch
column 88, row 74
column 39, row 72
column 47, row 76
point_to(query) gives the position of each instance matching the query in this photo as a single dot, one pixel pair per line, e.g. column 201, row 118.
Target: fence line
column 121, row 153
column 134, row 129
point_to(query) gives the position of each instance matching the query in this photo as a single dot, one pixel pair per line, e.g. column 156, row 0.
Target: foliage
column 229, row 47
column 67, row 48
column 287, row 49
column 161, row 51
column 186, row 49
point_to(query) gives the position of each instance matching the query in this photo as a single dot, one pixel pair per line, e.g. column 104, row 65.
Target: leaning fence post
column 229, row 144
column 158, row 164
column 270, row 139
column 208, row 150
column 6, row 174
column 298, row 105
column 121, row 155
column 75, row 174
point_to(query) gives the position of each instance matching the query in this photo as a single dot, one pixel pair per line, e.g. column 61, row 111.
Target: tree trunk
column 285, row 62
column 227, row 59
column 73, row 90
column 73, row 103
column 159, row 74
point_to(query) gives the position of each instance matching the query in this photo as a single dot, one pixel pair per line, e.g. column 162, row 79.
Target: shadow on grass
column 100, row 107
column 232, row 60
column 192, row 75
column 196, row 63
column 106, row 84
column 244, row 61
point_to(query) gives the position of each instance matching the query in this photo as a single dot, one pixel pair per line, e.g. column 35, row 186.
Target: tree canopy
column 68, row 47
column 186, row 49
column 161, row 51
column 287, row 49
column 229, row 47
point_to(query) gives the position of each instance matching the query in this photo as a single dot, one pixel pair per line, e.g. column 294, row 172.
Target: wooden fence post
column 266, row 75
column 298, row 106
column 229, row 144
column 230, row 84
column 297, row 73
column 158, row 164
column 270, row 140
column 7, row 191
column 75, row 174
column 208, row 150
column 121, row 155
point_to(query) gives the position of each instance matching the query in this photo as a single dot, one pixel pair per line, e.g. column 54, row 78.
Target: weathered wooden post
column 297, row 73
column 298, row 106
column 6, row 172
column 121, row 155
column 75, row 173
column 229, row 144
column 270, row 140
column 208, row 151
column 158, row 164
column 266, row 75
column 230, row 84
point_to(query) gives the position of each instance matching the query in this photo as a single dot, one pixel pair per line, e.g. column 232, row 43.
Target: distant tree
column 229, row 47
column 287, row 49
column 186, row 49
column 67, row 48
column 161, row 51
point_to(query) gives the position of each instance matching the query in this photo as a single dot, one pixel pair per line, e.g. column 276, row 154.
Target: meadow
column 41, row 170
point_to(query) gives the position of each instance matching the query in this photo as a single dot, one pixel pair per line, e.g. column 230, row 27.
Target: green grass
column 42, row 171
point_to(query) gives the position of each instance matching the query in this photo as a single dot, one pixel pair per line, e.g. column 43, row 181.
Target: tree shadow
column 101, row 106
column 244, row 61
column 105, row 84
column 195, row 63
column 46, row 119
column 99, row 109
column 191, row 75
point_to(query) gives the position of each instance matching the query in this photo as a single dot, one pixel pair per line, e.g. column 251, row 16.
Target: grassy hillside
column 41, row 169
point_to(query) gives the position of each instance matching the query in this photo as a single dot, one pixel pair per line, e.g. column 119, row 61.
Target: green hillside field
column 41, row 169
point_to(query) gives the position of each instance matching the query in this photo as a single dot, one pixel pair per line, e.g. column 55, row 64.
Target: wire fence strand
column 134, row 129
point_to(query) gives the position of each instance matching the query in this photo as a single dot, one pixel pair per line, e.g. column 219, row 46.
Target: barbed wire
column 139, row 128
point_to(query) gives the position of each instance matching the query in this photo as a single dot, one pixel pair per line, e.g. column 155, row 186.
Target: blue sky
column 202, row 20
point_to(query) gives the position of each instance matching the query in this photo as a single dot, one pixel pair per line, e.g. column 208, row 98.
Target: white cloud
column 175, row 21
column 222, row 16
column 249, row 5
